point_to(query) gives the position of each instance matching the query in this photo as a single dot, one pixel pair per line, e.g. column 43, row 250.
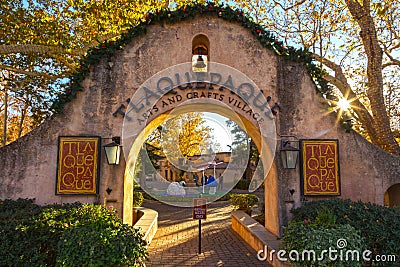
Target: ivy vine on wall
column 267, row 39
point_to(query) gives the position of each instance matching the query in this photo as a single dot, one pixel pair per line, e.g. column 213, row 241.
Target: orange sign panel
column 77, row 166
column 320, row 167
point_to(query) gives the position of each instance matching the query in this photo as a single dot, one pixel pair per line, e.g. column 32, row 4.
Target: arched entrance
column 110, row 78
column 180, row 91
column 251, row 130
column 392, row 196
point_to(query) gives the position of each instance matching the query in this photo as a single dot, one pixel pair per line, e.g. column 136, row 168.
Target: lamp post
column 113, row 151
column 289, row 154
column 214, row 163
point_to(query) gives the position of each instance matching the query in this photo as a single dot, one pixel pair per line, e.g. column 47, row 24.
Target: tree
column 380, row 132
column 42, row 41
column 243, row 145
column 23, row 104
column 179, row 138
column 187, row 131
column 357, row 42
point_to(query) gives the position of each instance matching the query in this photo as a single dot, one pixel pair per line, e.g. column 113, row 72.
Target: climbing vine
column 265, row 37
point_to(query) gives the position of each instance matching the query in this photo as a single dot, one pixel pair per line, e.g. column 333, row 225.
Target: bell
column 200, row 62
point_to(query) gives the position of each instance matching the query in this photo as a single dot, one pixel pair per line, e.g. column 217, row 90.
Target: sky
column 221, row 133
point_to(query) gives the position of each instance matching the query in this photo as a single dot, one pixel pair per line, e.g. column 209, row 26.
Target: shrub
column 378, row 225
column 325, row 217
column 137, row 199
column 244, row 201
column 302, row 239
column 119, row 245
column 30, row 234
column 225, row 197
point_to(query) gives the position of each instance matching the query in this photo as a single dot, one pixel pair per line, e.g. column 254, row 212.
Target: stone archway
column 108, row 80
column 271, row 204
column 392, row 196
column 186, row 91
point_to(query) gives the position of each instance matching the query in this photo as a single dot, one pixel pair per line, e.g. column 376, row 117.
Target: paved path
column 176, row 241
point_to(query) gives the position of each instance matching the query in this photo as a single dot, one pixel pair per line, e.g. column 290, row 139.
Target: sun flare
column 343, row 104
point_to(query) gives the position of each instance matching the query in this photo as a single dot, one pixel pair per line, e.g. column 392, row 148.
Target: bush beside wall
column 66, row 235
column 362, row 225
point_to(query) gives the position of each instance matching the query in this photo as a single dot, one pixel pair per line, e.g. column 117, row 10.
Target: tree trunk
column 21, row 121
column 384, row 135
column 5, row 116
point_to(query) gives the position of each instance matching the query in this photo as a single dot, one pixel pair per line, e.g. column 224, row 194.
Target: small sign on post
column 199, row 213
column 199, row 208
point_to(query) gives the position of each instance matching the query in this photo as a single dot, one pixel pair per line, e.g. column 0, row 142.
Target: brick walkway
column 176, row 241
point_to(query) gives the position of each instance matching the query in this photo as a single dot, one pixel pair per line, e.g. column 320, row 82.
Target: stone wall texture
column 28, row 166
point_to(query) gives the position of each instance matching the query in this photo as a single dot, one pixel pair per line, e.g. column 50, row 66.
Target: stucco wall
column 366, row 171
column 28, row 166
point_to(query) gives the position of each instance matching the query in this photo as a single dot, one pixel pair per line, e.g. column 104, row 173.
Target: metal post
column 202, row 181
column 200, row 236
column 215, row 164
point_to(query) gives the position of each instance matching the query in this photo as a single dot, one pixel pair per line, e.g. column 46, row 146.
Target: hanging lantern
column 289, row 155
column 113, row 151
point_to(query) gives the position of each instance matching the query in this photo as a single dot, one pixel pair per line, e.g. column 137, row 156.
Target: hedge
column 66, row 235
column 378, row 226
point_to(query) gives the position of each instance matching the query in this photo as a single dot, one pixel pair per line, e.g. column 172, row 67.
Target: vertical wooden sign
column 320, row 167
column 78, row 165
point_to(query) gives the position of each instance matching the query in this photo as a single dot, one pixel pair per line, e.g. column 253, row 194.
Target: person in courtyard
column 196, row 179
column 220, row 182
column 204, row 180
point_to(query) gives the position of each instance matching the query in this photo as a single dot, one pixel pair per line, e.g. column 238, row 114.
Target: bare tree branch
column 31, row 48
column 393, row 61
column 340, row 82
column 290, row 7
column 30, row 73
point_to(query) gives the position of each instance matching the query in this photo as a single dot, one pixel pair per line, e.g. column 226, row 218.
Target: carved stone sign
column 214, row 86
